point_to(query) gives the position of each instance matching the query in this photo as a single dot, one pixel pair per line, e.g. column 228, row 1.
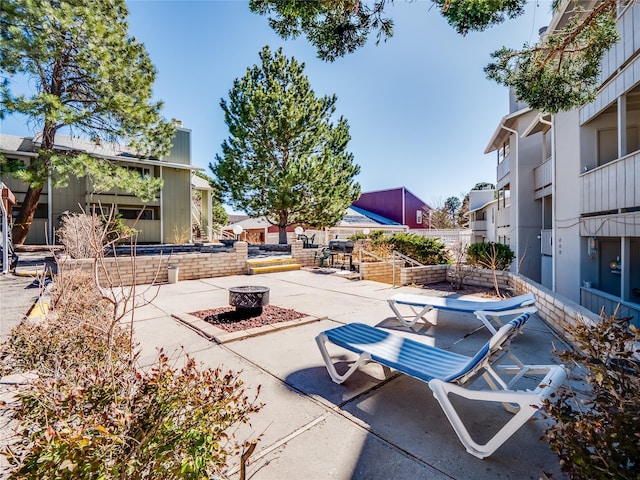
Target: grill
column 340, row 252
column 340, row 246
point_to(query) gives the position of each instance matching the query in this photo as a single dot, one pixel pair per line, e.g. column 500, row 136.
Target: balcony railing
column 546, row 242
column 478, row 226
column 149, row 230
column 503, row 217
column 618, row 55
column 502, row 171
column 613, row 186
column 542, row 179
column 595, row 300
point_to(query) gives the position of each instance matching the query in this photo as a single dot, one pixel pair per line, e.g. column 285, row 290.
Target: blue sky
column 420, row 109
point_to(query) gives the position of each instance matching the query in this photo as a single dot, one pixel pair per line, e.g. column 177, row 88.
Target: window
column 419, row 216
column 143, row 171
column 132, row 213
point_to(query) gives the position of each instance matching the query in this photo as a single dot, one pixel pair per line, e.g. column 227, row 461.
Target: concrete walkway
column 369, row 427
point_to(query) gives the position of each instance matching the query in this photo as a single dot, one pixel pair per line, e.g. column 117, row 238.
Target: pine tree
column 285, row 159
column 89, row 76
column 558, row 73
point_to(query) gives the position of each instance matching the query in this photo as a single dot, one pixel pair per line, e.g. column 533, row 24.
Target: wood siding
column 502, row 172
column 181, row 150
column 176, row 204
column 614, row 59
column 613, row 186
column 542, row 177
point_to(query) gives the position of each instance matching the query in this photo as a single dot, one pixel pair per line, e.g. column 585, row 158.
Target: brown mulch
column 230, row 320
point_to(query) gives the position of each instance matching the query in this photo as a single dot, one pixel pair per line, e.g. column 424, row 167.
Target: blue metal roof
column 377, row 218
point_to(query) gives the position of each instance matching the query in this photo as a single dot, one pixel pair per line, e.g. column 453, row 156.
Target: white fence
column 450, row 237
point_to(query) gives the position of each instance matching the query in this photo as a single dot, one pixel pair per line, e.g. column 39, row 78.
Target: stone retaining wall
column 153, row 268
column 557, row 311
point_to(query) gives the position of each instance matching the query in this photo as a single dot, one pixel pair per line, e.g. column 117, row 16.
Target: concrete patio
column 370, row 426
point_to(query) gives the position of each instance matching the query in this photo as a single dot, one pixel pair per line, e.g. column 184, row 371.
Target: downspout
column 190, row 208
column 515, row 132
column 162, row 207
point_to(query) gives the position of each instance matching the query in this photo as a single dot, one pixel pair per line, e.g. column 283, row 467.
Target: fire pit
column 249, row 298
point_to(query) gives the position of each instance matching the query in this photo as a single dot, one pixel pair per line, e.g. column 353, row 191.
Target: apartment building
column 574, row 182
column 482, row 215
column 165, row 220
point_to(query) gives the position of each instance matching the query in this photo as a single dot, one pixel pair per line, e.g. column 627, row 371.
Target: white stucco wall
column 567, row 245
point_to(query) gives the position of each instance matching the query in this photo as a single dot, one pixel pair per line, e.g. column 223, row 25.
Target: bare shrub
column 458, row 255
column 78, row 331
column 93, row 412
column 78, row 232
column 86, row 235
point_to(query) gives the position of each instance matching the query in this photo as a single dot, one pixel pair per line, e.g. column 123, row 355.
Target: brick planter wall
column 481, row 277
column 379, row 272
column 153, row 268
column 304, row 256
column 558, row 312
column 423, row 275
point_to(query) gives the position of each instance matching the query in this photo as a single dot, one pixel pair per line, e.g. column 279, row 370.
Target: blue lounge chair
column 420, row 305
column 449, row 373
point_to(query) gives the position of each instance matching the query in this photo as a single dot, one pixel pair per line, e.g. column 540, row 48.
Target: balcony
column 148, row 230
column 503, row 217
column 478, row 226
column 502, row 172
column 612, row 187
column 542, row 178
column 546, row 242
column 622, row 51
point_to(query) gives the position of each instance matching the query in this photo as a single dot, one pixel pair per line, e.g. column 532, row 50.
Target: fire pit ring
column 249, row 297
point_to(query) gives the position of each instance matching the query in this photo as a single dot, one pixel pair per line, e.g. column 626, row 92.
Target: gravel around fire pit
column 230, row 320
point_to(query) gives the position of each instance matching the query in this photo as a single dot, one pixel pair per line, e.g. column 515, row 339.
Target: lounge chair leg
column 528, row 403
column 321, row 340
column 417, row 315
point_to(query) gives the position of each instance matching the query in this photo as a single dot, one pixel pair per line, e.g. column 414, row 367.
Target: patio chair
column 321, row 256
column 448, row 373
column 420, row 305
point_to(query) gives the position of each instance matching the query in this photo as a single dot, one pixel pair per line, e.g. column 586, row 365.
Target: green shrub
column 357, row 236
column 425, row 250
column 494, row 256
column 596, row 435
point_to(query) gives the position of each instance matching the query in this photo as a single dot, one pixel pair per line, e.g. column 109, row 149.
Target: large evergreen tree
column 559, row 73
column 285, row 159
column 87, row 75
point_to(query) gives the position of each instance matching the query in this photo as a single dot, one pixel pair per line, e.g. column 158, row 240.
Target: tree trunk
column 282, row 235
column 25, row 215
column 32, row 197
